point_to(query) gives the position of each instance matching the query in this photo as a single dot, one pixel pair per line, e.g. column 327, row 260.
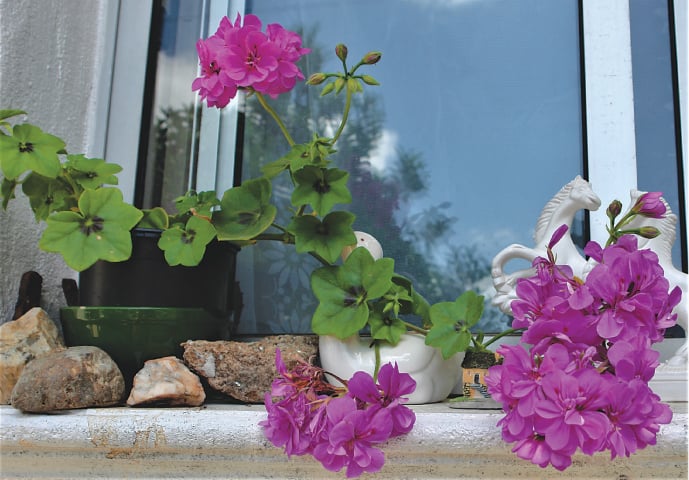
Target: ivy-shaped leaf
column 92, row 172
column 327, row 238
column 452, row 322
column 100, row 230
column 201, row 203
column 246, row 211
column 29, row 148
column 316, row 152
column 344, row 292
column 385, row 327
column 156, row 218
column 48, row 195
column 187, row 246
column 7, row 191
column 321, row 188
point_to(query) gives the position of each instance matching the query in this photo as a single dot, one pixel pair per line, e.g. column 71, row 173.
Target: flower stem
column 414, row 328
column 376, row 347
column 502, row 334
column 345, row 115
column 275, row 116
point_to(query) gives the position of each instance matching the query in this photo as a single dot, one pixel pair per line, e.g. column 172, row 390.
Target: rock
column 30, row 336
column 166, row 381
column 78, row 377
column 245, row 370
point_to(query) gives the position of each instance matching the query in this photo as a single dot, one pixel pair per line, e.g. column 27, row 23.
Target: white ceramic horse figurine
column 574, row 196
column 662, row 246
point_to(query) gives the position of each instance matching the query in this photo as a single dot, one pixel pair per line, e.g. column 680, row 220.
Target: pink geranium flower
column 650, row 205
column 352, row 436
column 242, row 56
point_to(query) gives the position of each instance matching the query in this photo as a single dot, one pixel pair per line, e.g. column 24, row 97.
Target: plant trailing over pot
column 360, row 292
column 87, row 218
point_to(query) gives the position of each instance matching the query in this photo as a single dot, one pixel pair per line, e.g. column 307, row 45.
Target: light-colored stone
column 78, row 377
column 166, row 381
column 245, row 370
column 30, row 336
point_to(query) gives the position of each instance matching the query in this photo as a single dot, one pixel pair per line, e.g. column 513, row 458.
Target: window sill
column 222, row 441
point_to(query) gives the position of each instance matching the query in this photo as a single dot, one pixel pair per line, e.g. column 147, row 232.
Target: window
column 478, row 123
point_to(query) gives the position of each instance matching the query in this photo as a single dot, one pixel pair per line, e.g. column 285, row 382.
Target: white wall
column 55, row 65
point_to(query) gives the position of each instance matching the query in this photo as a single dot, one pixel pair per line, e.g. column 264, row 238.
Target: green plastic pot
column 132, row 335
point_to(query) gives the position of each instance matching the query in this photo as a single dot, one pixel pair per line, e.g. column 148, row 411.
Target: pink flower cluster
column 338, row 426
column 242, row 56
column 579, row 378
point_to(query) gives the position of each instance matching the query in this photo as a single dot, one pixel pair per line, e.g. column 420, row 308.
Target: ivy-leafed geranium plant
column 88, row 219
column 359, row 293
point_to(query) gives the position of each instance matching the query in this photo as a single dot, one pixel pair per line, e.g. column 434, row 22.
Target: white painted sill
column 225, row 441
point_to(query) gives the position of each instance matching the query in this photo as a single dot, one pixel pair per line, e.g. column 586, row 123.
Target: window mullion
column 215, row 161
column 609, row 105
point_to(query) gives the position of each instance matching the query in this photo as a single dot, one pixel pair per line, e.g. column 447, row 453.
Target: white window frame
column 610, row 145
column 609, row 103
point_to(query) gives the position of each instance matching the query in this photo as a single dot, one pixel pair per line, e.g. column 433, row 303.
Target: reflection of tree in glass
column 168, row 156
column 381, row 201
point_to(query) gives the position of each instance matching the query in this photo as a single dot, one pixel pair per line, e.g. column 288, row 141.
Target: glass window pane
column 166, row 164
column 476, row 126
column 654, row 105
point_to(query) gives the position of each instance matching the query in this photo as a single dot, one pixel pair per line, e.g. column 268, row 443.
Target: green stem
column 500, row 335
column 276, row 117
column 376, row 369
column 414, row 328
column 345, row 114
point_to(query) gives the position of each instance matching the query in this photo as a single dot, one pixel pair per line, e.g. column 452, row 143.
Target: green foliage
column 186, row 246
column 326, row 238
column 98, row 231
column 345, row 292
column 321, row 188
column 452, row 322
column 246, row 211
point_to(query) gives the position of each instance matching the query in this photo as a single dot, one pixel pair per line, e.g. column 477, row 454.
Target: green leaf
column 156, row 218
column 28, row 148
column 7, row 113
column 201, row 203
column 100, row 230
column 452, row 322
column 48, row 195
column 326, row 238
column 448, row 340
column 246, row 211
column 7, row 191
column 187, row 246
column 92, row 172
column 386, row 328
column 344, row 293
column 321, row 188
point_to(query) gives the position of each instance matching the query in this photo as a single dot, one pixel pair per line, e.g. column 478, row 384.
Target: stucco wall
column 51, row 66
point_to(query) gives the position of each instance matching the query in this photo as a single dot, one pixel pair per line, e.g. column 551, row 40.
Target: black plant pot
column 146, row 280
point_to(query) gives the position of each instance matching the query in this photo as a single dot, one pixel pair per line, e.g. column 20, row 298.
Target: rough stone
column 166, row 381
column 245, row 370
column 22, row 340
column 78, row 377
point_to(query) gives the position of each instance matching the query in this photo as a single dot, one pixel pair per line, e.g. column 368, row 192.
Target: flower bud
column 614, row 209
column 341, row 51
column 648, row 232
column 369, row 80
column 316, row 79
column 354, row 86
column 339, row 84
column 371, row 58
column 650, row 204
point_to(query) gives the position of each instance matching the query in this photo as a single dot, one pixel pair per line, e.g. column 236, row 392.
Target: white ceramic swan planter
column 435, row 377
